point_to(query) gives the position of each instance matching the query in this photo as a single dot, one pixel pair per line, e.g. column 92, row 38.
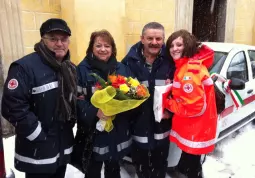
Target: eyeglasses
column 55, row 40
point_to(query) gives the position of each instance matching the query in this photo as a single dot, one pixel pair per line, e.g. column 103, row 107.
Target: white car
column 230, row 61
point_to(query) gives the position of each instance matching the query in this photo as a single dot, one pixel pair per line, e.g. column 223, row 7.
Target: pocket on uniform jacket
column 37, row 150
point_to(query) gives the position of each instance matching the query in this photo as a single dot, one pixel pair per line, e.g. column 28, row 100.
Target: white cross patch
column 188, row 88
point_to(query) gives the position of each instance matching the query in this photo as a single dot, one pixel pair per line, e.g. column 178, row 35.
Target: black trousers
column 150, row 163
column 60, row 173
column 190, row 165
column 111, row 169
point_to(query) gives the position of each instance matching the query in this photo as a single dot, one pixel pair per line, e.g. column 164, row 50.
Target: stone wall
column 33, row 14
column 244, row 22
column 140, row 12
column 85, row 17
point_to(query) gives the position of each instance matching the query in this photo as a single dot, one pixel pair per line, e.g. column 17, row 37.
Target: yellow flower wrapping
column 104, row 100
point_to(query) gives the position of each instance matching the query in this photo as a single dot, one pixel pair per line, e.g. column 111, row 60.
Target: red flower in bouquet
column 141, row 91
column 98, row 86
column 116, row 80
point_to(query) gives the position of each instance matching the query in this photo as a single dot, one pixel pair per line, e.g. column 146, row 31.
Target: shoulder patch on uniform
column 13, row 84
column 188, row 88
column 187, row 78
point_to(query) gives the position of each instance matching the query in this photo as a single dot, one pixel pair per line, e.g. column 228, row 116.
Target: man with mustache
column 39, row 100
column 148, row 63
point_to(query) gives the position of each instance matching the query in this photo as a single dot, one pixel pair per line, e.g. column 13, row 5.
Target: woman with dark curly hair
column 192, row 101
column 93, row 148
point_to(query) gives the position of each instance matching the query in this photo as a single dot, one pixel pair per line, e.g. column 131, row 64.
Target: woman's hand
column 101, row 115
column 167, row 114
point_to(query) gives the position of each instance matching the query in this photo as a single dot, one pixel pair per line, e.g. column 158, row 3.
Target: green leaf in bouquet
column 121, row 96
column 100, row 80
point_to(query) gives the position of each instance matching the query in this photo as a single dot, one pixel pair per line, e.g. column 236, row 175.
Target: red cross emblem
column 13, row 84
column 188, row 88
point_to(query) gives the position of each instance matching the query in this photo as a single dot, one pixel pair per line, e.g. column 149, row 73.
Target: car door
column 236, row 65
column 251, row 56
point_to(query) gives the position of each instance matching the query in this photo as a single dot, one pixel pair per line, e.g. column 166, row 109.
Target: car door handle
column 250, row 91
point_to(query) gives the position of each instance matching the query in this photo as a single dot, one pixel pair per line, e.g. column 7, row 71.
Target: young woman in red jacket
column 192, row 101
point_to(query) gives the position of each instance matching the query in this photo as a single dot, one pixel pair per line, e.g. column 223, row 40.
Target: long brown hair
column 106, row 36
column 190, row 42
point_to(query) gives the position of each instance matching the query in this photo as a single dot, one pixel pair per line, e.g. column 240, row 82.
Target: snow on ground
column 73, row 172
column 9, row 156
column 233, row 157
column 70, row 173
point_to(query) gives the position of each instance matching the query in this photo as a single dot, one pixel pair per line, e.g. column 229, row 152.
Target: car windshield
column 219, row 58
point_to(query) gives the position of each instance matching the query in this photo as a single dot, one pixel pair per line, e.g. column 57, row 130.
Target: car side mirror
column 237, row 84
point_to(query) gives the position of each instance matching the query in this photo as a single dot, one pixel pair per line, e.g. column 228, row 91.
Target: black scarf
column 102, row 67
column 67, row 82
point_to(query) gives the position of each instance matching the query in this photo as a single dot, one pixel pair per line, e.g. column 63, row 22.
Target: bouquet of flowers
column 117, row 94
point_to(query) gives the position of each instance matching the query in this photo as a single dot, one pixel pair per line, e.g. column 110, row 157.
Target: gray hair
column 153, row 25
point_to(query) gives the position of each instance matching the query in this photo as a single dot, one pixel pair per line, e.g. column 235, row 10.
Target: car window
column 252, row 58
column 238, row 67
column 219, row 59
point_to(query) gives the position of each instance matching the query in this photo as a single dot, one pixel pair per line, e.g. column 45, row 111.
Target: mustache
column 154, row 46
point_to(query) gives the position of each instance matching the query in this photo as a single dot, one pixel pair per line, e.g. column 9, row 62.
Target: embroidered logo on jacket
column 13, row 84
column 188, row 88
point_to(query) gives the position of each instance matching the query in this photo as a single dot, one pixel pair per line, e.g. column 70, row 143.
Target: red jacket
column 193, row 104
